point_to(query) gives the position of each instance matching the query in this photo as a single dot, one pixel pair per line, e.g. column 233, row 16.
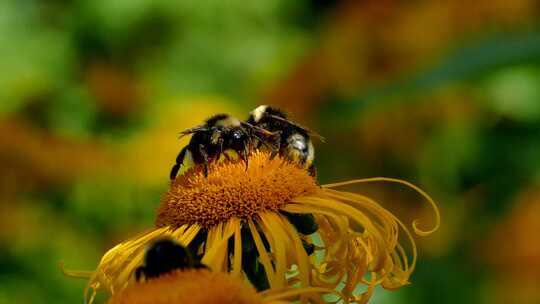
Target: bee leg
column 260, row 142
column 244, row 154
column 274, row 154
column 276, row 145
column 220, row 146
column 220, row 151
column 205, row 159
column 312, row 170
column 179, row 162
column 174, row 171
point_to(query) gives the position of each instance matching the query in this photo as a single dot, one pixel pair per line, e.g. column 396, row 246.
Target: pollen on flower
column 189, row 286
column 232, row 190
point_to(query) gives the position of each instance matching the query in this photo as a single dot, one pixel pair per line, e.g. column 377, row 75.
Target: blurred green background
column 445, row 94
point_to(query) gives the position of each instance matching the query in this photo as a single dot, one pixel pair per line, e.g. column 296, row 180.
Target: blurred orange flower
column 190, row 286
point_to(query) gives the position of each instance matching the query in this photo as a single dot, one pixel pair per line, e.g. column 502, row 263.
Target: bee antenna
column 257, row 128
column 247, row 124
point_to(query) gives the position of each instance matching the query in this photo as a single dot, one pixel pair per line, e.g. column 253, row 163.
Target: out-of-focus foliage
column 443, row 93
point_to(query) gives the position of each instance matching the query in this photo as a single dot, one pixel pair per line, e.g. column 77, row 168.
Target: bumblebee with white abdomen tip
column 290, row 139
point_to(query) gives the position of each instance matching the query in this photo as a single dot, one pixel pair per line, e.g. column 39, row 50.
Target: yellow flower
column 356, row 242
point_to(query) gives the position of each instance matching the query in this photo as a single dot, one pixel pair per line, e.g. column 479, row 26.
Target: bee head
column 237, row 134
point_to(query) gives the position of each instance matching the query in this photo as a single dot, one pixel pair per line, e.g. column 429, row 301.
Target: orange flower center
column 232, row 190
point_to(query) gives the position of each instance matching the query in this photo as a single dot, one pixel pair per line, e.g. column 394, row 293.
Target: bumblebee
column 293, row 142
column 164, row 256
column 290, row 140
column 210, row 140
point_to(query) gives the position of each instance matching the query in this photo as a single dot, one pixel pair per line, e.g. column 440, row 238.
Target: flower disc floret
column 233, row 190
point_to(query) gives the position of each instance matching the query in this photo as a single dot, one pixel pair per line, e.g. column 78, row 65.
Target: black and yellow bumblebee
column 164, row 256
column 291, row 140
column 212, row 139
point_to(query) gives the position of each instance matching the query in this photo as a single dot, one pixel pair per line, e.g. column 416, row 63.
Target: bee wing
column 192, row 130
column 308, row 131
